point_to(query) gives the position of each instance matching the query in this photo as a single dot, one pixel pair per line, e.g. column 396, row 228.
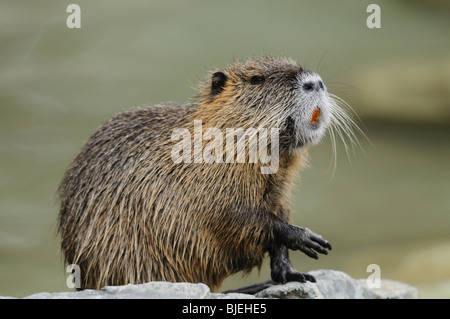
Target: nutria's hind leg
column 282, row 270
column 253, row 289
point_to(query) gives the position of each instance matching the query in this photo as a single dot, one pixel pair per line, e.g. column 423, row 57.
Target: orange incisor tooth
column 315, row 116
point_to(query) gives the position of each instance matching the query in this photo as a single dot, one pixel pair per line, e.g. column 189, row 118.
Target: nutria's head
column 273, row 92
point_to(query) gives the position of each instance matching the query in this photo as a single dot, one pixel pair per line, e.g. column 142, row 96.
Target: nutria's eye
column 257, row 79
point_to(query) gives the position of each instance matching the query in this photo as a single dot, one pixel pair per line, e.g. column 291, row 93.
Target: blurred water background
column 387, row 203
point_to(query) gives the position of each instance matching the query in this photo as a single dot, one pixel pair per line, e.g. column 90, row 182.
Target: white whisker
column 344, row 126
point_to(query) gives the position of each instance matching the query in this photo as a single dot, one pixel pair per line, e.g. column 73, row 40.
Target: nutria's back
column 131, row 213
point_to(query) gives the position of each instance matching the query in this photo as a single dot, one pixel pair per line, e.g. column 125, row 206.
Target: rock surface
column 331, row 284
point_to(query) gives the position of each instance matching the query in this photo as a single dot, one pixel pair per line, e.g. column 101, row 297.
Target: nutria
column 131, row 213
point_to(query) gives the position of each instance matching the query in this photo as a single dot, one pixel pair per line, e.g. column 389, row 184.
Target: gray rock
column 292, row 290
column 334, row 284
column 331, row 284
column 159, row 290
column 151, row 290
column 85, row 294
column 390, row 289
column 232, row 295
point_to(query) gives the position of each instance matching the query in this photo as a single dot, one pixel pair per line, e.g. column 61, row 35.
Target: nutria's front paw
column 309, row 242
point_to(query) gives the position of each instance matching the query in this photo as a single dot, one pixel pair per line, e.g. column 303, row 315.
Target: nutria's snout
column 313, row 107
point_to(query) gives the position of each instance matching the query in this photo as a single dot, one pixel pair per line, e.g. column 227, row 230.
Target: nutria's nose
column 313, row 86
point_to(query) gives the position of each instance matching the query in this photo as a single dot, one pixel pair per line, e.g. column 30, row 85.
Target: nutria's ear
column 218, row 82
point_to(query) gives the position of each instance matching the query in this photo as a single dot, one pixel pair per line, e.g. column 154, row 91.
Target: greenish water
column 390, row 206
